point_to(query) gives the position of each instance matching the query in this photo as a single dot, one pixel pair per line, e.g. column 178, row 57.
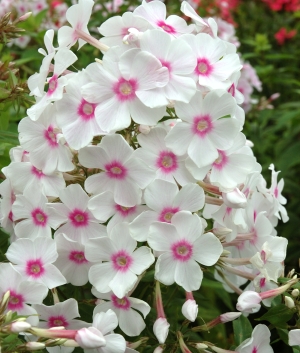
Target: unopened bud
column 138, row 343
column 34, row 346
column 219, row 232
column 190, row 310
column 4, row 301
column 161, row 329
column 291, row 273
column 200, row 346
column 19, row 326
column 295, row 292
column 289, row 302
column 227, row 317
column 24, row 17
column 144, row 129
column 90, row 338
column 294, row 277
column 235, row 199
column 158, row 349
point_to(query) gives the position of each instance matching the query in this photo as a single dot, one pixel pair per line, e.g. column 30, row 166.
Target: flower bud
column 24, row 17
column 161, row 329
column 294, row 337
column 235, row 199
column 144, row 129
column 289, row 302
column 295, row 292
column 200, row 346
column 90, row 338
column 227, row 317
column 190, row 310
column 34, row 346
column 19, row 326
column 219, row 232
column 249, row 302
column 158, row 349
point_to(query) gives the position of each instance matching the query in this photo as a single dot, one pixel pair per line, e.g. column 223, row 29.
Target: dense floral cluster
column 283, row 5
column 122, row 166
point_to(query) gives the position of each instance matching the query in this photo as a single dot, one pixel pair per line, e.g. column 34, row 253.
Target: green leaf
column 242, row 329
column 278, row 316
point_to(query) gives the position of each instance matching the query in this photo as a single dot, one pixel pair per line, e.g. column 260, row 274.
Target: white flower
column 182, row 247
column 119, row 262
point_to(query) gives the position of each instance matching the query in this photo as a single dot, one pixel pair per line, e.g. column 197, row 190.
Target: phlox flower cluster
column 121, row 166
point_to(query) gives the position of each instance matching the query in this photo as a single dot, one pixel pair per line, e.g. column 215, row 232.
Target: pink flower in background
column 283, row 35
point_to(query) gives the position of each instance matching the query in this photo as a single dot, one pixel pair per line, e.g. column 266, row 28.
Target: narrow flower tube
column 161, row 325
column 183, row 346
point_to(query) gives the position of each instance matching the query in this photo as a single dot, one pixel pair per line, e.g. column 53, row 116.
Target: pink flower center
column 231, row 90
column 125, row 90
column 202, row 125
column 203, row 67
column 167, row 28
column 35, row 268
column 52, row 85
column 221, row 161
column 56, row 321
column 263, row 256
column 50, row 136
column 125, row 211
column 79, row 218
column 166, row 64
column 38, row 173
column 123, row 303
column 86, row 110
column 254, row 350
column 39, row 217
column 116, row 170
column 167, row 213
column 276, row 192
column 167, row 161
column 121, row 260
column 262, row 282
column 15, row 302
column 182, row 250
column 77, row 257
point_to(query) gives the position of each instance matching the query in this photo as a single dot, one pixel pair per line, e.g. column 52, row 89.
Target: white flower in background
column 71, row 260
column 155, row 13
column 130, row 321
column 22, row 292
column 76, row 116
column 181, row 249
column 34, row 215
column 78, row 16
column 164, row 200
column 123, row 174
column 119, row 261
column 79, row 222
column 168, row 165
column 203, row 132
column 33, row 259
column 122, row 89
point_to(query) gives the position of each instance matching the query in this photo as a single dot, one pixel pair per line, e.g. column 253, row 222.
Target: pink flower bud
column 235, row 199
column 158, row 349
column 248, row 302
column 190, row 310
column 227, row 317
column 19, row 326
column 90, row 338
column 161, row 329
